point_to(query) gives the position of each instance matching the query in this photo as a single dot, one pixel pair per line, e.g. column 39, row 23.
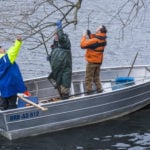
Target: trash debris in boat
column 54, row 99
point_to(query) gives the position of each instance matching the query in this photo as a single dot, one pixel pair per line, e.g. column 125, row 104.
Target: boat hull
column 74, row 112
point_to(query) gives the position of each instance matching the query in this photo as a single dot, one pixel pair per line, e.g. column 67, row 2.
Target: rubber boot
column 12, row 102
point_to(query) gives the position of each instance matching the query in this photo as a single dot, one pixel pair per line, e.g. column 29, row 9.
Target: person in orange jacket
column 95, row 45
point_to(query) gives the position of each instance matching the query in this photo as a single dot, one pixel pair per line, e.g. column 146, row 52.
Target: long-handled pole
column 133, row 63
column 89, row 19
column 45, row 45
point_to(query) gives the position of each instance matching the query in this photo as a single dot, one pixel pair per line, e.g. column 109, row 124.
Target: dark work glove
column 59, row 24
column 52, row 46
column 88, row 32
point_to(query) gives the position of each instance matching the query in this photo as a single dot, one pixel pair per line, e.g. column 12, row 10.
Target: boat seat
column 77, row 87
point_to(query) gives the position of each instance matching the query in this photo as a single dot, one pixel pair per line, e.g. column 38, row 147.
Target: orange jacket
column 95, row 47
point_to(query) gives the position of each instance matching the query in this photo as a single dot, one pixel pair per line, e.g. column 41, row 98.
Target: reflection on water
column 131, row 132
column 140, row 141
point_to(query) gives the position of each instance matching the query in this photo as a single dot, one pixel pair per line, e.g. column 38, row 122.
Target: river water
column 131, row 132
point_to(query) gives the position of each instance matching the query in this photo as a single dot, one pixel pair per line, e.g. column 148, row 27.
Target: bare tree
column 132, row 8
column 37, row 21
column 35, row 26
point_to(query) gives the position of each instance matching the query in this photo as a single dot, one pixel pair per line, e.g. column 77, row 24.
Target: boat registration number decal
column 23, row 116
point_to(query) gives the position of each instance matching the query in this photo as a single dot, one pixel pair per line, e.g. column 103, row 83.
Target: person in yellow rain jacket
column 11, row 81
column 95, row 45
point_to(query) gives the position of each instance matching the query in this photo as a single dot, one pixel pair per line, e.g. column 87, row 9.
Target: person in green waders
column 11, row 81
column 61, row 62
